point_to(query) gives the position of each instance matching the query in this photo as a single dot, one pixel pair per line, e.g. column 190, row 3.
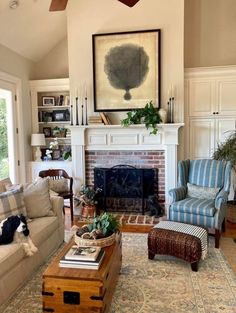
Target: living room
column 46, row 54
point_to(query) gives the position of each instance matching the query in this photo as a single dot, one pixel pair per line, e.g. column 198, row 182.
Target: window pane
column 4, row 165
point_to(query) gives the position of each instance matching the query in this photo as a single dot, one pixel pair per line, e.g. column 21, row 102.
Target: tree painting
column 126, row 67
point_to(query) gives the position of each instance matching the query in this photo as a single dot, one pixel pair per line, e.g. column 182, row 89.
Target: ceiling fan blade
column 130, row 3
column 58, row 5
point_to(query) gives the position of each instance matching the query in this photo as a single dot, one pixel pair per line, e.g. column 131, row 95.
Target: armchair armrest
column 221, row 198
column 177, row 194
column 57, row 207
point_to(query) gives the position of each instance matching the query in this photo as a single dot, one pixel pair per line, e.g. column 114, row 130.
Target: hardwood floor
column 227, row 243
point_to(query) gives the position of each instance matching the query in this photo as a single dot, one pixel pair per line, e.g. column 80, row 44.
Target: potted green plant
column 67, row 155
column 149, row 115
column 100, row 232
column 227, row 151
column 87, row 196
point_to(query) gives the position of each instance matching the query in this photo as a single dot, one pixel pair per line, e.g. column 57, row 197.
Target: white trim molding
column 116, row 137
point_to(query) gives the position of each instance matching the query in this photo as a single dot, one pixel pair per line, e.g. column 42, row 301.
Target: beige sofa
column 46, row 232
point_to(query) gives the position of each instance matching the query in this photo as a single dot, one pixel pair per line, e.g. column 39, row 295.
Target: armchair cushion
column 200, row 192
column 196, row 206
column 177, row 193
column 221, row 198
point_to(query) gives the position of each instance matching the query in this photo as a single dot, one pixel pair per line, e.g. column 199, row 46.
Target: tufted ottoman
column 184, row 241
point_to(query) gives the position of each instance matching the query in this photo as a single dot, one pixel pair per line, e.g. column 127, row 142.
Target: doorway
column 8, row 132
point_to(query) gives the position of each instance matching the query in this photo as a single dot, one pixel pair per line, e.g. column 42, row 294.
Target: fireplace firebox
column 125, row 181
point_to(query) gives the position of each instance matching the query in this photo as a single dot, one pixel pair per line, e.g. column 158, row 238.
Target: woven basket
column 103, row 242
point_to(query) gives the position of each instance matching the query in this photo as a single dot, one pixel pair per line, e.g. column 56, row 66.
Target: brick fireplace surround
column 106, row 146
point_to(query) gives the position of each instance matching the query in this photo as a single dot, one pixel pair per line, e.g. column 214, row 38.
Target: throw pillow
column 58, row 185
column 201, row 192
column 37, row 199
column 4, row 183
column 12, row 202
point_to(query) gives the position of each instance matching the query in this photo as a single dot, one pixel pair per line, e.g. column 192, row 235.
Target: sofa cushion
column 12, row 202
column 37, row 199
column 10, row 255
column 59, row 185
column 42, row 228
column 195, row 191
column 195, row 206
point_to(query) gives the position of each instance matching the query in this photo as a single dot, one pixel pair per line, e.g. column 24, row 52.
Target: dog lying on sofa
column 15, row 228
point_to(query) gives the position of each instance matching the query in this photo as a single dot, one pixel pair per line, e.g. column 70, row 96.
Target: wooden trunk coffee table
column 67, row 290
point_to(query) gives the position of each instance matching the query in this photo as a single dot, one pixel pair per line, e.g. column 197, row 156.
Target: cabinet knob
column 217, row 112
column 214, row 112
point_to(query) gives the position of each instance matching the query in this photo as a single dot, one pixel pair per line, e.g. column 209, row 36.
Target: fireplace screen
column 124, row 181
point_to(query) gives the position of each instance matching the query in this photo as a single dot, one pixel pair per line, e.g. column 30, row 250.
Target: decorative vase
column 88, row 210
column 163, row 115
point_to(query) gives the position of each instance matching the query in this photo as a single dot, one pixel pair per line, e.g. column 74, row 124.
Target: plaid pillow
column 12, row 203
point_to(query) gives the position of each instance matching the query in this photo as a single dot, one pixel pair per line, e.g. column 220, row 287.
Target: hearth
column 125, row 182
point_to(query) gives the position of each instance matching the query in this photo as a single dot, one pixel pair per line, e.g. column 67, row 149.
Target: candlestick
column 82, row 113
column 76, row 111
column 86, row 110
column 71, row 115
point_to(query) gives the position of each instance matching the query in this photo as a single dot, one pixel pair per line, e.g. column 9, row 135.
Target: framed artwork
column 47, row 132
column 48, row 101
column 126, row 70
column 58, row 115
column 56, row 154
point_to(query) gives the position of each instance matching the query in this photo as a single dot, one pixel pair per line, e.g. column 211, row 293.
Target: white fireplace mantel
column 116, row 137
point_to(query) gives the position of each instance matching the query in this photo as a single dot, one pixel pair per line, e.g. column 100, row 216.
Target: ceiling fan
column 60, row 5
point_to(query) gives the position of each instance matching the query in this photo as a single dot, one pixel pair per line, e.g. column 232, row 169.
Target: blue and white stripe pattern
column 193, row 230
column 205, row 173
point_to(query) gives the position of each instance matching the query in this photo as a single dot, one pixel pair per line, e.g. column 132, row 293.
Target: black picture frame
column 136, row 56
column 47, row 132
column 58, row 115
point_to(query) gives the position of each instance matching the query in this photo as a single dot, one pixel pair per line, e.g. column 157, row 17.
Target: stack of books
column 83, row 257
column 95, row 120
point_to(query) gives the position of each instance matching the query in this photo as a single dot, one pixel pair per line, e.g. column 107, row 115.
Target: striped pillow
column 12, row 203
column 200, row 192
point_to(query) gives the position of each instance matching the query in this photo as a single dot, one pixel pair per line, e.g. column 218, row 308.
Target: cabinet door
column 224, row 128
column 201, row 97
column 226, row 96
column 201, row 138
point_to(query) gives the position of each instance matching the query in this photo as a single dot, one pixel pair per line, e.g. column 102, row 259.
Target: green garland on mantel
column 149, row 116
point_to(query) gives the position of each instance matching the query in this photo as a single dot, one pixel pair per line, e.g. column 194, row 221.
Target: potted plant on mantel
column 149, row 116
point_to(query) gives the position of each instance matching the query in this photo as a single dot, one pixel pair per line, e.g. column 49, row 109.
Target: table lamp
column 38, row 140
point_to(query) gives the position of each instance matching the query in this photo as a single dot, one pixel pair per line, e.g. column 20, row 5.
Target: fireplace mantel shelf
column 117, row 137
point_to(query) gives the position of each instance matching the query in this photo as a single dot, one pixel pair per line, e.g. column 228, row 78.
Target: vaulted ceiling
column 30, row 29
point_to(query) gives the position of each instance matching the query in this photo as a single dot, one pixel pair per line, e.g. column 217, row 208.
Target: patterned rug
column 162, row 285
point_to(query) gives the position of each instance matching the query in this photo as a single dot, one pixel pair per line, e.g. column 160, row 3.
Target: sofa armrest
column 57, row 208
column 177, row 194
column 221, row 198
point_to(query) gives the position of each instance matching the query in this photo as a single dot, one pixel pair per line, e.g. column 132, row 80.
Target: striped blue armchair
column 203, row 188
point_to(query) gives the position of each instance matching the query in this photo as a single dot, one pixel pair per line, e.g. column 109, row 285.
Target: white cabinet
column 210, row 109
column 35, row 167
column 51, row 111
column 205, row 135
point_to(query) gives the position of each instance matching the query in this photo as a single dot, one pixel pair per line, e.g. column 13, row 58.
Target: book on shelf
column 93, row 265
column 83, row 253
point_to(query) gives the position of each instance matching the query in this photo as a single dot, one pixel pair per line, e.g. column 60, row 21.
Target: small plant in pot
column 87, row 196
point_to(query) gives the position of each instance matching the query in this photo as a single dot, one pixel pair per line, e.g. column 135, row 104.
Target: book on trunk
column 83, row 264
column 80, row 253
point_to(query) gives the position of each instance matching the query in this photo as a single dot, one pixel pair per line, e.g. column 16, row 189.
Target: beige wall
column 54, row 64
column 210, row 33
column 15, row 65
column 89, row 17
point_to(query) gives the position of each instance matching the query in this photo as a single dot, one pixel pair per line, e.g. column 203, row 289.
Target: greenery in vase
column 149, row 116
column 227, row 150
column 67, row 155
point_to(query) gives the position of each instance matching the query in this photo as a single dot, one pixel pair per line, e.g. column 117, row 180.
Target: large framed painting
column 126, row 70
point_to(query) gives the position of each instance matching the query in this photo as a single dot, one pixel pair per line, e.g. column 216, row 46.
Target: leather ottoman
column 184, row 241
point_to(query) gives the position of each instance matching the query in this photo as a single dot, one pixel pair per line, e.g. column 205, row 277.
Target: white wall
column 89, row 17
column 15, row 65
column 54, row 64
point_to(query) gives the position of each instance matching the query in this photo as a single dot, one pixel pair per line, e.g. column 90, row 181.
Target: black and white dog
column 15, row 227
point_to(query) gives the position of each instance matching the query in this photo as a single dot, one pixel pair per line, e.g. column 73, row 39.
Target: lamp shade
column 38, row 140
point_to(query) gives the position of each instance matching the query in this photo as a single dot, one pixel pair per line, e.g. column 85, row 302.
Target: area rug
column 162, row 285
